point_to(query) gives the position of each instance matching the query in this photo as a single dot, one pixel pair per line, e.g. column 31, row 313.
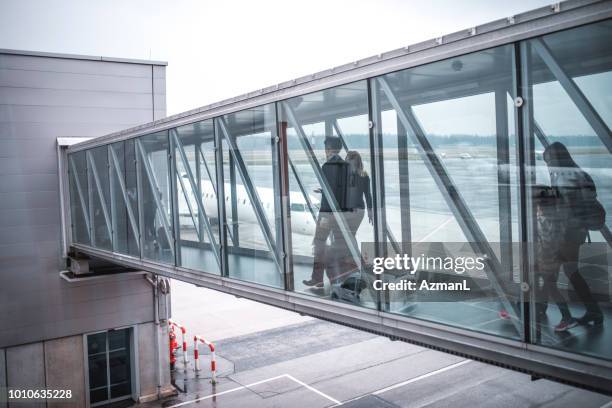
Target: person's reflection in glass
column 549, row 227
column 572, row 185
column 336, row 171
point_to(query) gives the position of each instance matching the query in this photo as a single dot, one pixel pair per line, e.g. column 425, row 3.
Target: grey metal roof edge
column 81, row 57
column 343, row 72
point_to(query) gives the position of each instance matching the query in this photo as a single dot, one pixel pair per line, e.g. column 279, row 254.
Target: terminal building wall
column 43, row 97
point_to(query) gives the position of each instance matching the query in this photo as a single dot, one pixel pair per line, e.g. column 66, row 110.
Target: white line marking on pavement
column 608, row 405
column 438, row 228
column 335, row 401
column 292, row 378
column 415, row 379
column 421, row 377
column 226, row 392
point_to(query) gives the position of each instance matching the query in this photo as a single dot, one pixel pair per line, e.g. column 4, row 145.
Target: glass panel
column 97, row 371
column 121, row 390
column 327, row 138
column 155, row 197
column 196, row 181
column 101, row 394
column 571, row 192
column 79, row 199
column 252, row 207
column 96, row 343
column 118, row 339
column 99, row 195
column 450, row 174
column 119, row 364
column 122, row 158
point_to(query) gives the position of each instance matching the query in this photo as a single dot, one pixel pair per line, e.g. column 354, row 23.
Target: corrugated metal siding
column 43, row 98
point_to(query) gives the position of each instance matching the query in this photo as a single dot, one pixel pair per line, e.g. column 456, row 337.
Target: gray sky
column 217, row 50
column 222, row 49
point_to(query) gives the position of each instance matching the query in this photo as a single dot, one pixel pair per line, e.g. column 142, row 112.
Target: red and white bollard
column 174, row 324
column 196, row 357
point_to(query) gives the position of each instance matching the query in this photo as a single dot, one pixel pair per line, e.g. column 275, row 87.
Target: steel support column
column 383, row 300
column 526, row 159
column 198, row 164
column 282, row 159
column 504, row 193
column 174, row 211
column 221, row 208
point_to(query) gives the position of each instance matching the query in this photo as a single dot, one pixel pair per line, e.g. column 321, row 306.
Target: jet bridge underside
column 511, row 355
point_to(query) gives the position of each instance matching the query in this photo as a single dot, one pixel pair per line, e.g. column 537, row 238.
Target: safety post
column 174, row 324
column 196, row 355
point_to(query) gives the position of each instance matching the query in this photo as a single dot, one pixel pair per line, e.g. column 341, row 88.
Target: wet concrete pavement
column 291, row 361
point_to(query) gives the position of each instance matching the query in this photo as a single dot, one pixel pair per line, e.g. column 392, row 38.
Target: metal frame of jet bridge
column 581, row 370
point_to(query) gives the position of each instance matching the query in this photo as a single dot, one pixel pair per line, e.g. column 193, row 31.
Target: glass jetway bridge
column 443, row 146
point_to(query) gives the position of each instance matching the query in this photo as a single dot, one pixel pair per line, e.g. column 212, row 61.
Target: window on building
column 109, row 366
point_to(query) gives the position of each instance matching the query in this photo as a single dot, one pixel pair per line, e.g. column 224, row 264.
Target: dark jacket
column 336, row 173
column 359, row 188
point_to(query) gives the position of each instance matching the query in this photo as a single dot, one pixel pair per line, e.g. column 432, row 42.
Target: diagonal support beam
column 574, row 92
column 252, row 193
column 540, row 134
column 94, row 171
column 316, row 167
column 302, row 189
column 81, row 196
column 214, row 186
column 196, row 192
column 159, row 206
column 189, row 206
column 455, row 201
column 340, row 135
column 124, row 194
column 213, row 182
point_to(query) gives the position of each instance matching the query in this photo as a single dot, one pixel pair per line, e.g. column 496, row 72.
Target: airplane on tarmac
column 302, row 221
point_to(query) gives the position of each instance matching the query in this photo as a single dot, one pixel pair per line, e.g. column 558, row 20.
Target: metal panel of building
column 42, row 97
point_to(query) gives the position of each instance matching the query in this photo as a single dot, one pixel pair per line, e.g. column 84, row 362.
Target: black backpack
column 337, row 174
column 587, row 209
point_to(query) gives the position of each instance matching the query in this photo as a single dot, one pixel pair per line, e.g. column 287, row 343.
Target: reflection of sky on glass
column 472, row 115
column 598, row 89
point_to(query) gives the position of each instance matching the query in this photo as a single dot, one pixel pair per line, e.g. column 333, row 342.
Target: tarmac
column 267, row 357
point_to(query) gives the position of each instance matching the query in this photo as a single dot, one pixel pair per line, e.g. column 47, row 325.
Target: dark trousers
column 334, row 259
column 570, row 254
column 550, row 291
